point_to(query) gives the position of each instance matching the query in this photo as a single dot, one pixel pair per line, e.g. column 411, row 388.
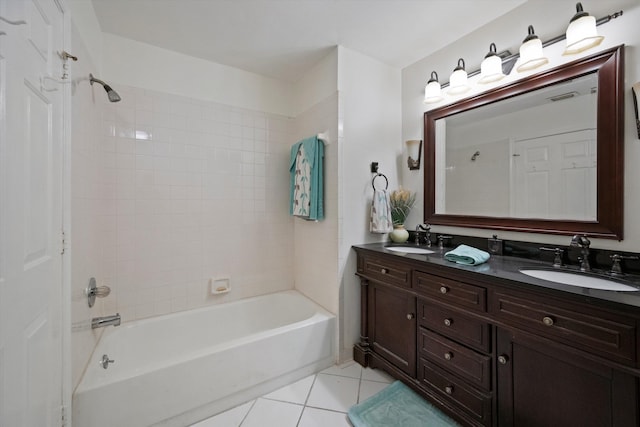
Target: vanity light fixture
column 433, row 91
column 582, row 33
column 491, row 67
column 458, row 80
column 531, row 56
column 414, row 149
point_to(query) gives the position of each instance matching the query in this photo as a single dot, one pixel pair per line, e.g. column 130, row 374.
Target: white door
column 30, row 214
column 548, row 170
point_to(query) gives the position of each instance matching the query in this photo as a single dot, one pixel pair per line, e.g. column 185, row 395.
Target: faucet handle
column 616, row 266
column 557, row 260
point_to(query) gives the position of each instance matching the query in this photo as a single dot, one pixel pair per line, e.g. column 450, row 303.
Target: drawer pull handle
column 444, row 289
column 502, row 359
column 384, row 271
column 410, row 316
column 547, row 321
column 448, row 355
column 448, row 322
column 448, row 389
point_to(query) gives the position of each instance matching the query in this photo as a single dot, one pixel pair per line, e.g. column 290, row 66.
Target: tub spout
column 101, row 322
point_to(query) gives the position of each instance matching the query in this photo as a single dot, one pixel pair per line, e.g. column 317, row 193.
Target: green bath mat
column 399, row 406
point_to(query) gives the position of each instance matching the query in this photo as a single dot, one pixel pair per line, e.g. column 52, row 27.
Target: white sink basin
column 409, row 249
column 576, row 279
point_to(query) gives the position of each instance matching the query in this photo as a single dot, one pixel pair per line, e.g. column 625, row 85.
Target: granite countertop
column 508, row 268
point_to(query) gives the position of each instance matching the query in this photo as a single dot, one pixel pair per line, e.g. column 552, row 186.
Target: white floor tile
column 349, row 369
column 369, row 388
column 376, row 375
column 231, row 418
column 293, row 393
column 312, row 417
column 333, row 392
column 271, row 413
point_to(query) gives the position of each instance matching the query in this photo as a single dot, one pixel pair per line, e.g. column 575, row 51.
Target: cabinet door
column 540, row 385
column 392, row 327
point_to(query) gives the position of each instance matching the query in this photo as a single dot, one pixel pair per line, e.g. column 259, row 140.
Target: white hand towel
column 380, row 213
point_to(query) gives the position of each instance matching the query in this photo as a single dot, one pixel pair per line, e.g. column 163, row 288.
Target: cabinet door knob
column 547, row 321
column 448, row 322
column 384, row 271
column 448, row 355
column 444, row 289
column 410, row 316
column 448, row 389
column 502, row 359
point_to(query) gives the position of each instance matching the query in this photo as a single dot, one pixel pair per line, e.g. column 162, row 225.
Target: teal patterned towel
column 397, row 405
column 468, row 255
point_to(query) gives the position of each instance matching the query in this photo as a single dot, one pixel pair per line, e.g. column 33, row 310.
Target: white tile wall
column 316, row 243
column 89, row 212
column 198, row 190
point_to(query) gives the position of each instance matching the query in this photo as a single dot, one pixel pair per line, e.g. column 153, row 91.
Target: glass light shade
column 432, row 92
column 413, row 148
column 458, row 80
column 491, row 67
column 582, row 35
column 531, row 55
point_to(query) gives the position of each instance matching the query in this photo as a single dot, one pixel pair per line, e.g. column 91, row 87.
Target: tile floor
column 320, row 400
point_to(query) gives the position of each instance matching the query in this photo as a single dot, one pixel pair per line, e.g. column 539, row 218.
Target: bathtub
column 180, row 368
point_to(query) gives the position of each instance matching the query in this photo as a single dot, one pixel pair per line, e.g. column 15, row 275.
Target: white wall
column 91, row 220
column 370, row 130
column 549, row 19
column 199, row 191
column 140, row 65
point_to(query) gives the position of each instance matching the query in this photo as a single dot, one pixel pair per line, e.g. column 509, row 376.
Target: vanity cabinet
column 492, row 352
column 392, row 326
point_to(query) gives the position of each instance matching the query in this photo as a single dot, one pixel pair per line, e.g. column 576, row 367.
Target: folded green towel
column 464, row 254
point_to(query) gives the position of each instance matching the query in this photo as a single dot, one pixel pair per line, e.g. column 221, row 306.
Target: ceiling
column 284, row 38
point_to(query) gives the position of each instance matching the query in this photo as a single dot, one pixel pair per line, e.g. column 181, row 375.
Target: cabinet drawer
column 470, row 400
column 596, row 331
column 454, row 324
column 472, row 366
column 387, row 271
column 451, row 291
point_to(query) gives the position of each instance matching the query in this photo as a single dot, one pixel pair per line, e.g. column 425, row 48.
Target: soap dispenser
column 495, row 245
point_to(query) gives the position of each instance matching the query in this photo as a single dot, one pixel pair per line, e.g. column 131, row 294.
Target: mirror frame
column 610, row 149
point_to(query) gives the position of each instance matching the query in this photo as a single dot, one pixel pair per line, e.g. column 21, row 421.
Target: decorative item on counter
column 401, row 203
column 495, row 245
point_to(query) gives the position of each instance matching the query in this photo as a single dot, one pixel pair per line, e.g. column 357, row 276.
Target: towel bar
column 373, row 181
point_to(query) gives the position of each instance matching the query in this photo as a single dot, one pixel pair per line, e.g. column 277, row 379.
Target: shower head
column 112, row 94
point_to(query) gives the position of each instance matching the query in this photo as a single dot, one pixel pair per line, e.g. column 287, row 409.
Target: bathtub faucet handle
column 94, row 291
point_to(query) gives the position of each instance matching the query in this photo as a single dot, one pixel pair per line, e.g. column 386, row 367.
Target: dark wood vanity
column 493, row 351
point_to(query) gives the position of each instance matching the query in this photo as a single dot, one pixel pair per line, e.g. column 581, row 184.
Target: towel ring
column 373, row 181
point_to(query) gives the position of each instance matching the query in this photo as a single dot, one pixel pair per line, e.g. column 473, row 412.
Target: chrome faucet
column 582, row 242
column 101, row 322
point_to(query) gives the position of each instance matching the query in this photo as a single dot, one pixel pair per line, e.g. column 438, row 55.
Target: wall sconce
column 458, row 80
column 433, row 91
column 414, row 148
column 582, row 33
column 531, row 55
column 491, row 67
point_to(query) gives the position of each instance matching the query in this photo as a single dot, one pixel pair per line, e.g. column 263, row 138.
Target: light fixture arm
column 512, row 58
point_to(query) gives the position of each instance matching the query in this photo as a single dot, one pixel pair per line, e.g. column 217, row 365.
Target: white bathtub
column 177, row 369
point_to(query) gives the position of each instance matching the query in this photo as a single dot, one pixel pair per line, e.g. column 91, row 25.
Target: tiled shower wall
column 199, row 191
column 90, row 214
column 316, row 243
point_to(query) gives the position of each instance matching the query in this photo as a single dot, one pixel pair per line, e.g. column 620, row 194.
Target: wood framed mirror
column 500, row 160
